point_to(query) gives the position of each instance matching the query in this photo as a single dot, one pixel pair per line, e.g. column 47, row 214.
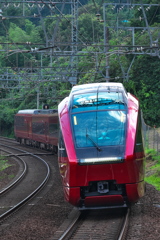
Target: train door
column 29, row 127
column 46, row 131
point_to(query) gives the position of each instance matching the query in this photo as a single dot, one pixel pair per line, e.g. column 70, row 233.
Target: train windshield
column 99, row 122
column 102, row 101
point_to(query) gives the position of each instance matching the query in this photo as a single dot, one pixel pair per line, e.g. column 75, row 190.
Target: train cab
column 101, row 155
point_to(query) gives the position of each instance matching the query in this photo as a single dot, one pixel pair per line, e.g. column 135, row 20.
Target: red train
column 37, row 128
column 100, row 152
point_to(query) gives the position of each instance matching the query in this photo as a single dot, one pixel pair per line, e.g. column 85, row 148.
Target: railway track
column 93, row 224
column 31, row 148
column 96, row 224
column 19, row 176
column 34, row 174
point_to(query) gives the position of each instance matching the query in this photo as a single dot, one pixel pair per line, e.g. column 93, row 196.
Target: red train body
column 38, row 128
column 100, row 153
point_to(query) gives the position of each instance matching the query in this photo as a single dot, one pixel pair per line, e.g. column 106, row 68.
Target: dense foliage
column 142, row 80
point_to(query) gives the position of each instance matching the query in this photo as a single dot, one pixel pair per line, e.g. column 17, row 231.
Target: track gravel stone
column 42, row 217
column 145, row 217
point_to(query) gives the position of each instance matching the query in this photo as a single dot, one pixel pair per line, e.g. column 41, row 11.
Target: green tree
column 145, row 75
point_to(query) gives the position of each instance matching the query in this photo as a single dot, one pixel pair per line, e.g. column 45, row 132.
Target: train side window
column 139, row 138
column 61, row 141
column 38, row 127
column 20, row 123
column 61, row 146
column 53, row 129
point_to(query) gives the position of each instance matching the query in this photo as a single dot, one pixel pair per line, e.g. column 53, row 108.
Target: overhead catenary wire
column 83, row 41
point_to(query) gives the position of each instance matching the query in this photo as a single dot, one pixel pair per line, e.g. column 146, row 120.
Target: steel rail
column 18, row 179
column 18, row 205
column 68, row 232
column 70, row 228
column 125, row 225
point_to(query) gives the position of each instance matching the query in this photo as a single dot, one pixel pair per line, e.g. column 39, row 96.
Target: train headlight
column 86, row 161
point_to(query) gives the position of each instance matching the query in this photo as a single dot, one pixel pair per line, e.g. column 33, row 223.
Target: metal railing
column 151, row 137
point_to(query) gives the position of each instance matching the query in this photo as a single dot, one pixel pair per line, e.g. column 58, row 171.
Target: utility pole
column 74, row 11
column 107, row 56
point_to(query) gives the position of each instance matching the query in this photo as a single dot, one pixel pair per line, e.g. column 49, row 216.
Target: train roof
column 37, row 111
column 109, row 86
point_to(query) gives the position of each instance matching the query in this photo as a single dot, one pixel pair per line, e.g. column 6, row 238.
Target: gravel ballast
column 42, row 217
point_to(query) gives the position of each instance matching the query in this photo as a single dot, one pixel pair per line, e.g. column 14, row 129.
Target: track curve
column 38, row 172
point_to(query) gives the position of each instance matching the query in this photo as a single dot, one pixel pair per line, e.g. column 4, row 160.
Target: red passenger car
column 101, row 153
column 38, row 128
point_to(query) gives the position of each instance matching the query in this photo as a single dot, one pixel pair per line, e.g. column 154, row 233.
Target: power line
column 74, row 50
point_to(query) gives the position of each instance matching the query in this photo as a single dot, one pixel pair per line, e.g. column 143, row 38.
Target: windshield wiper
column 94, row 143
